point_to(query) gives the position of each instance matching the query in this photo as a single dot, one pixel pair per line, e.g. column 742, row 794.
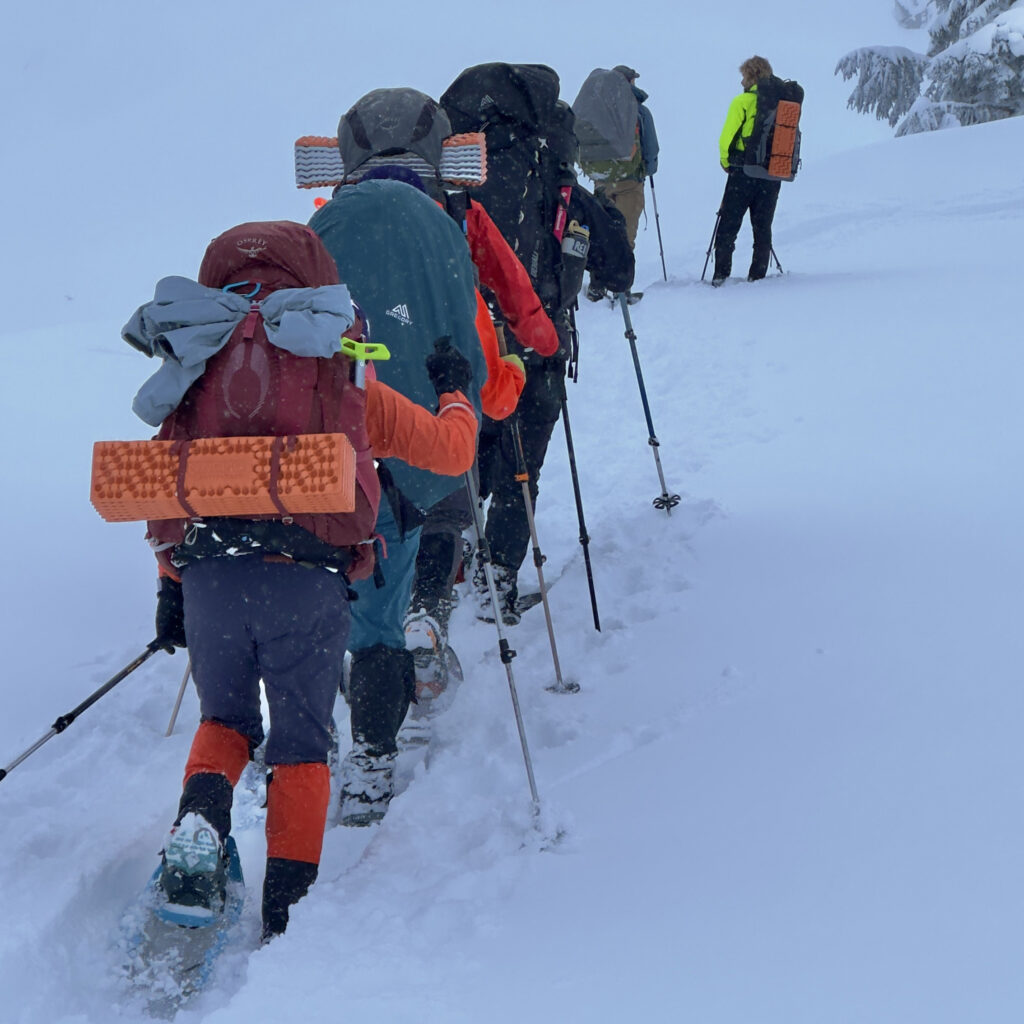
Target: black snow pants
column 440, row 554
column 508, row 531
column 743, row 193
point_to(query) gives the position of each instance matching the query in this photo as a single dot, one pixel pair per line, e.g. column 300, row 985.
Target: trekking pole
column 657, row 225
column 584, row 535
column 777, row 263
column 572, row 370
column 65, row 720
column 523, row 476
column 664, row 500
column 711, row 244
column 181, row 694
column 505, row 649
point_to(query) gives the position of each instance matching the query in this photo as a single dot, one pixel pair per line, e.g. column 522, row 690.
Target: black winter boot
column 211, row 795
column 284, row 884
column 382, row 683
column 507, row 585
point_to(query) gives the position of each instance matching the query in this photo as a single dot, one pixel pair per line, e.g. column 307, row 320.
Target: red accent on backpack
column 251, row 388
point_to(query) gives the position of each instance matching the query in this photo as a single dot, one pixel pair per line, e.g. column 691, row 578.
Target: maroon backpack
column 252, row 388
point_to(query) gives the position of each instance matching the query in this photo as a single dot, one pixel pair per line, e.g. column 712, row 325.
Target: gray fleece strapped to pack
column 187, row 323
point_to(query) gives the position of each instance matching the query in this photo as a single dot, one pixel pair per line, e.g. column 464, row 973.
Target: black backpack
column 531, row 153
column 773, row 149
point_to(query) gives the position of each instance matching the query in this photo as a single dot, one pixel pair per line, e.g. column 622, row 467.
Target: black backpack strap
column 456, row 204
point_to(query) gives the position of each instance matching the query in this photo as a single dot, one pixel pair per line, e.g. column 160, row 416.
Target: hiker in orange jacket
column 267, row 598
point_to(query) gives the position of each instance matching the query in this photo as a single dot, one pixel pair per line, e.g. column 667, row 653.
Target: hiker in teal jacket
column 407, row 265
column 743, row 193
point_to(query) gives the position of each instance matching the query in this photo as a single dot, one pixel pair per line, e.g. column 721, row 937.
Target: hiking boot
column 505, row 582
column 717, row 282
column 595, row 294
column 424, row 636
column 367, row 785
column 194, row 866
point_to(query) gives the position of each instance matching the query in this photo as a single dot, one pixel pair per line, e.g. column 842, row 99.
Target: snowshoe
column 524, row 602
column 438, row 675
column 532, row 598
column 184, row 921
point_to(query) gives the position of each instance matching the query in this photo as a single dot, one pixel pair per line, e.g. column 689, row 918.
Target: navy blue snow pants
column 247, row 619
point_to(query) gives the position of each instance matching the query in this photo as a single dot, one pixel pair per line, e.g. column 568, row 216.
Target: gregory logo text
column 401, row 314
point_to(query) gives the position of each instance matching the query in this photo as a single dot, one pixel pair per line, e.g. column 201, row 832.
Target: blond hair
column 753, row 70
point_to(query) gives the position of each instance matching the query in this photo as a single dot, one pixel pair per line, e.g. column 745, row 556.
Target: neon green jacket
column 739, row 124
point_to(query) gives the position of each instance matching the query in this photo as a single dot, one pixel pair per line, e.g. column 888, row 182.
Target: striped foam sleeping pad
column 318, row 161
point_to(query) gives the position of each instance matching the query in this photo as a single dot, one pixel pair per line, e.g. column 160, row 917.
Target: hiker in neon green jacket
column 743, row 193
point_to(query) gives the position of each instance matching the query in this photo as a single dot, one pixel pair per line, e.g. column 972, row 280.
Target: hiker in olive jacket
column 743, row 193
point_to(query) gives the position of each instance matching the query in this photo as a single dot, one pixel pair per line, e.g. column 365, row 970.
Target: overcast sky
column 139, row 123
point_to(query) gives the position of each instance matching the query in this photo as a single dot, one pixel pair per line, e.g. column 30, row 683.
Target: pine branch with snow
column 889, row 80
column 973, row 71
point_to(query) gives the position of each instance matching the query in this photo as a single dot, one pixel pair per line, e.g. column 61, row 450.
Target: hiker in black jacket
column 555, row 227
column 610, row 263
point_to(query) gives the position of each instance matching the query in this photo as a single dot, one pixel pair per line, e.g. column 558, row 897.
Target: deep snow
column 789, row 786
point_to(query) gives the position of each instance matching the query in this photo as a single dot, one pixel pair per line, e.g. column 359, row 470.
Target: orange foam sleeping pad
column 787, row 117
column 223, row 476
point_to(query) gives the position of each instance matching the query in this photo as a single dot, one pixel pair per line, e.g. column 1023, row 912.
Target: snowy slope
column 789, row 787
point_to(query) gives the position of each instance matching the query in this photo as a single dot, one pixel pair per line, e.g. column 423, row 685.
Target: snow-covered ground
column 789, row 789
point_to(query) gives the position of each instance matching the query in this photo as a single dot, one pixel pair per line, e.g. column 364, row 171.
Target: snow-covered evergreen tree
column 973, row 70
column 911, row 13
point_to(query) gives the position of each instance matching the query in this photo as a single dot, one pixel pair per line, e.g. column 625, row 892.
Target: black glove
column 170, row 615
column 448, row 368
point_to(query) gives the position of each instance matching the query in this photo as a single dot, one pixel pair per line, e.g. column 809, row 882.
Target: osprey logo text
column 251, row 247
column 401, row 314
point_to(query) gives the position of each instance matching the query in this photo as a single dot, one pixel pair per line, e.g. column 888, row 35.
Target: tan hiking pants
column 628, row 197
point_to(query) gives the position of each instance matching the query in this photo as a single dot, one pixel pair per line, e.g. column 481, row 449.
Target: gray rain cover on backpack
column 387, row 121
column 606, row 114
